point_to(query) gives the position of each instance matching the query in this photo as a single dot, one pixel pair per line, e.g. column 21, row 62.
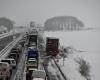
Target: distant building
column 32, row 24
column 3, row 29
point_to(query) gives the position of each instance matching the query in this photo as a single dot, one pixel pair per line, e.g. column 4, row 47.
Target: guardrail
column 20, row 70
column 57, row 73
column 62, row 76
column 4, row 35
column 8, row 34
column 6, row 50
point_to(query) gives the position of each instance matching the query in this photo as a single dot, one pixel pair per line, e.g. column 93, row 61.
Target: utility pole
column 14, row 37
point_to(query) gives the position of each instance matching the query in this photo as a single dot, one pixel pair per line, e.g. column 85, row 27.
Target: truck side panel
column 52, row 46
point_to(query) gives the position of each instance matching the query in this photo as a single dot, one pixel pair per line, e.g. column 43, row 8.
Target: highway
column 6, row 50
column 44, row 62
column 6, row 40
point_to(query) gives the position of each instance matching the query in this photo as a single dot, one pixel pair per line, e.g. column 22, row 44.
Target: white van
column 11, row 61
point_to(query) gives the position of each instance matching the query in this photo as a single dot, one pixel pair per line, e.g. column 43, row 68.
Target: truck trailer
column 32, row 39
column 52, row 45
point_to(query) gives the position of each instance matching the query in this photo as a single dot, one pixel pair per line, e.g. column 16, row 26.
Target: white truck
column 39, row 75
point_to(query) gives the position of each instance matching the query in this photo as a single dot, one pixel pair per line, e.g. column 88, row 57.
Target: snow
column 93, row 59
column 70, row 68
column 82, row 40
column 51, row 69
column 86, row 40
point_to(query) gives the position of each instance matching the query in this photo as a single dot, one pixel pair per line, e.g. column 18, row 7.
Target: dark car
column 14, row 56
column 16, row 50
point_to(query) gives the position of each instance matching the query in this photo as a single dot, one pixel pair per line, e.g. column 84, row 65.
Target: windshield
column 6, row 61
column 13, row 55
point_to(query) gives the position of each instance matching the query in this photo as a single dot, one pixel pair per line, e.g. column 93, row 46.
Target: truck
column 32, row 63
column 32, row 59
column 32, row 39
column 52, row 45
column 36, row 75
column 32, row 53
column 39, row 75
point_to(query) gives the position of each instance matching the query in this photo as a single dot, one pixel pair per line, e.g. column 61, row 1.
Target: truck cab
column 39, row 75
column 32, row 63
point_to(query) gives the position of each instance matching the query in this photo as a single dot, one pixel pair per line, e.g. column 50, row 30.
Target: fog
column 23, row 11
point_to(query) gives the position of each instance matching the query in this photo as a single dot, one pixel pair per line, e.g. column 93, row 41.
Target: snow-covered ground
column 86, row 40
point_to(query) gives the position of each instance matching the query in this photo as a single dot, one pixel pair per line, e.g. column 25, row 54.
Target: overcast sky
column 24, row 11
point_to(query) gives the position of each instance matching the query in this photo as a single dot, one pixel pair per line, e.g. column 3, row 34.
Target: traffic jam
column 33, row 69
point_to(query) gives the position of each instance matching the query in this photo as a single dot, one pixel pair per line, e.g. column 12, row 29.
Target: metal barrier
column 4, row 35
column 8, row 34
column 62, row 76
column 57, row 73
column 20, row 70
column 6, row 50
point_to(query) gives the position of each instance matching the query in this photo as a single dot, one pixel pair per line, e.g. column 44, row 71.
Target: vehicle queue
column 9, row 64
column 32, row 62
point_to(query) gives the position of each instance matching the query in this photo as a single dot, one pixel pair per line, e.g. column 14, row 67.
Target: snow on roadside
column 86, row 40
column 93, row 59
column 70, row 69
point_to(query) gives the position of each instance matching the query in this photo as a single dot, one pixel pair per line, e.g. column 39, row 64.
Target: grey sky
column 23, row 11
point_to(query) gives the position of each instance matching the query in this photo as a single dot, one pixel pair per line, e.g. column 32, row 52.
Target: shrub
column 84, row 68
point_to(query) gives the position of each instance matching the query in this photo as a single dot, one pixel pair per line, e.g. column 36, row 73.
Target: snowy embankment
column 86, row 41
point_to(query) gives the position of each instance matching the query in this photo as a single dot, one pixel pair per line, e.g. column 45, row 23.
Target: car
column 7, row 61
column 11, row 61
column 13, row 56
column 19, row 47
column 15, row 50
column 5, row 71
column 22, row 42
column 39, row 75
